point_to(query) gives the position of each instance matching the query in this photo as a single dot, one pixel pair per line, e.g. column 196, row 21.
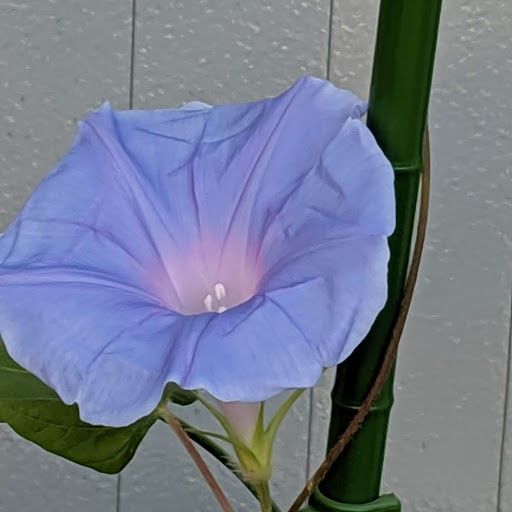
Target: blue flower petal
column 61, row 325
column 312, row 316
column 278, row 210
column 239, row 163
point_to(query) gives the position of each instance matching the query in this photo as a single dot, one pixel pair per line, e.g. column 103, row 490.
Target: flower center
column 207, row 277
column 215, row 301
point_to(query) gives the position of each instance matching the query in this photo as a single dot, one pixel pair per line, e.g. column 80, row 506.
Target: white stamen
column 208, row 303
column 220, row 291
column 221, row 309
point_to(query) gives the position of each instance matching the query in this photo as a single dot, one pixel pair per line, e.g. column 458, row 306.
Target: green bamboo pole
column 399, row 93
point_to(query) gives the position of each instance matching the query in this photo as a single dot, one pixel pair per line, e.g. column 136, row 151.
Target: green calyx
column 255, row 455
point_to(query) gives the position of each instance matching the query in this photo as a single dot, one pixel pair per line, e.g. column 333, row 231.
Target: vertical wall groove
column 506, row 408
column 329, row 41
column 132, row 53
column 309, row 433
column 311, row 411
column 130, row 106
column 118, row 492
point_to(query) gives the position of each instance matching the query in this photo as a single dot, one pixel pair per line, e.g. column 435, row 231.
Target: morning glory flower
column 239, row 249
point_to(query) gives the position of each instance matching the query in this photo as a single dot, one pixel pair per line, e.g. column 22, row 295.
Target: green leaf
column 36, row 413
column 173, row 393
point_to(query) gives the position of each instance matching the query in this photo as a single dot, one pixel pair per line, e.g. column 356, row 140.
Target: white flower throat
column 215, row 301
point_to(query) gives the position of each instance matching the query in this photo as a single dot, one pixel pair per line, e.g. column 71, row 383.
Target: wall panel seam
column 311, row 412
column 505, row 425
column 130, row 106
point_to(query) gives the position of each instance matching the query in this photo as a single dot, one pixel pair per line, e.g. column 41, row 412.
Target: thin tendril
column 176, row 426
column 221, row 455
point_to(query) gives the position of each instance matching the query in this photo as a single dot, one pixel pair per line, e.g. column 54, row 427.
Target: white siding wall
column 450, row 446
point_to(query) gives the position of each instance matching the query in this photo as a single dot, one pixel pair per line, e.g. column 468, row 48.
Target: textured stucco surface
column 452, row 369
column 444, row 449
column 57, row 60
column 450, row 445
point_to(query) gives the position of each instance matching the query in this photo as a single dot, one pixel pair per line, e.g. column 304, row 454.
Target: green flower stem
column 222, row 456
column 263, row 491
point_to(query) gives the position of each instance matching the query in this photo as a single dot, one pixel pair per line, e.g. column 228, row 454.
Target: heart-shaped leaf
column 35, row 412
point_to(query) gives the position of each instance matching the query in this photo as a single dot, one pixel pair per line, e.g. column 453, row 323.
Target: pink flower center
column 209, row 279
